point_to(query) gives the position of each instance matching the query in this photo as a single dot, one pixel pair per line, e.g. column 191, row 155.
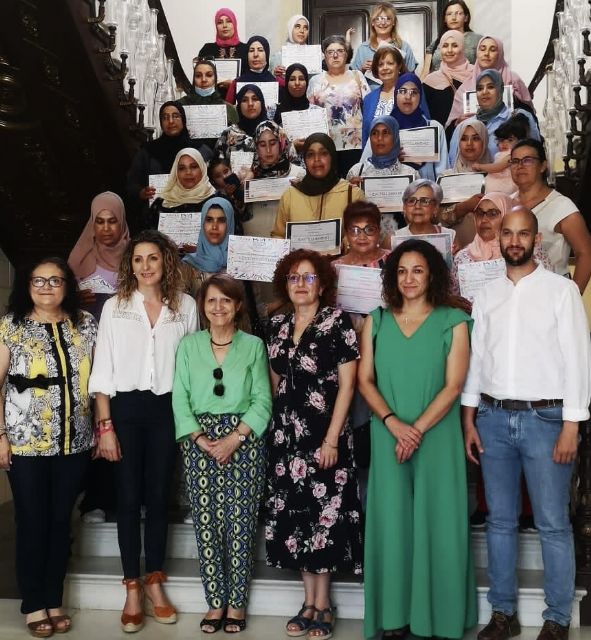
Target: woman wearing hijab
column 321, row 194
column 298, row 28
column 156, row 157
column 490, row 55
column 205, row 82
column 441, row 85
column 257, row 68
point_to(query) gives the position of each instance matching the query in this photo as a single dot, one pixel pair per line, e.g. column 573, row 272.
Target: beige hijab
column 87, row 254
column 174, row 194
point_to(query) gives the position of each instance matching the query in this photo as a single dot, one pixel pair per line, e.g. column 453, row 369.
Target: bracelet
column 105, row 428
column 333, row 446
column 388, row 415
column 105, row 421
column 196, row 438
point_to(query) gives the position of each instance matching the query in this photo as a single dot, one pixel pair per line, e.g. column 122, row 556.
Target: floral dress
column 312, row 514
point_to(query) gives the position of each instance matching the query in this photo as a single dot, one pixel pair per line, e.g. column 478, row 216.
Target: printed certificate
column 301, row 124
column 310, row 55
column 158, row 181
column 441, row 241
column 180, row 227
column 420, row 144
column 206, row 120
column 227, row 68
column 359, row 289
column 458, row 187
column 471, row 103
column 241, row 161
column 96, row 284
column 270, row 91
column 265, row 189
column 323, row 236
column 252, row 258
column 386, row 192
column 474, row 276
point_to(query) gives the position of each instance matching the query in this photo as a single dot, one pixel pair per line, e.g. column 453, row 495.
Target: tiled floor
column 103, row 625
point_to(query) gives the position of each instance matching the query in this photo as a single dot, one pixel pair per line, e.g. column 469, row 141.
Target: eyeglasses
column 421, row 202
column 491, row 214
column 368, row 230
column 385, row 19
column 526, row 161
column 335, row 53
column 171, row 116
column 408, row 92
column 55, row 282
column 308, row 278
column 218, row 387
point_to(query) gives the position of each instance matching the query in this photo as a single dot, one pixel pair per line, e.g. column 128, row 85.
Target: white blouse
column 131, row 354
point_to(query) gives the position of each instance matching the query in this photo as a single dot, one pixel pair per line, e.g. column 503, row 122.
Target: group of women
column 271, row 422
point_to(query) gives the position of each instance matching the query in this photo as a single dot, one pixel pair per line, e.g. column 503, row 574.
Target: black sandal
column 396, row 634
column 320, row 624
column 234, row 622
column 214, row 623
column 301, row 620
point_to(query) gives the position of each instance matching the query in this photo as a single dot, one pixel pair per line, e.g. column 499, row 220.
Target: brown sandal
column 164, row 614
column 37, row 632
column 61, row 624
column 132, row 622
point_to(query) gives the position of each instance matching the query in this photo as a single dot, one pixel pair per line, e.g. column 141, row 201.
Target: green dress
column 418, row 565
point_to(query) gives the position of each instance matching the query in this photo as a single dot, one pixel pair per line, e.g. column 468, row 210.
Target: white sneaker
column 96, row 516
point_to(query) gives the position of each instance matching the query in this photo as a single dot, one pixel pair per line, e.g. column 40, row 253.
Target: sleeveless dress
column 418, row 566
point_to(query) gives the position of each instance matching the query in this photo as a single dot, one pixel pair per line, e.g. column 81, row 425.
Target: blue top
column 365, row 52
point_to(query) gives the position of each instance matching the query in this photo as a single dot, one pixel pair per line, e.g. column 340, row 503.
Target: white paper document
column 265, row 189
column 323, row 236
column 386, row 192
column 420, row 144
column 180, row 227
column 471, row 102
column 227, row 68
column 252, row 258
column 359, row 289
column 241, row 161
column 458, row 187
column 270, row 91
column 206, row 120
column 158, row 181
column 474, row 276
column 441, row 241
column 96, row 284
column 310, row 55
column 301, row 124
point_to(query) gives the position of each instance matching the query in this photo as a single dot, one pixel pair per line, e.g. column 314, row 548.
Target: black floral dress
column 312, row 513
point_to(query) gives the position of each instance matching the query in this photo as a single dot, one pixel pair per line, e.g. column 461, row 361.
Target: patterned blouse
column 47, row 408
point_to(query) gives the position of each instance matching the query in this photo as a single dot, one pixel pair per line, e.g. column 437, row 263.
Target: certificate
column 471, row 103
column 270, row 91
column 265, row 189
column 386, row 192
column 310, row 55
column 359, row 289
column 241, row 161
column 420, row 144
column 227, row 68
column 206, row 120
column 301, row 124
column 461, row 186
column 158, row 181
column 474, row 276
column 180, row 227
column 441, row 241
column 323, row 236
column 251, row 258
column 97, row 284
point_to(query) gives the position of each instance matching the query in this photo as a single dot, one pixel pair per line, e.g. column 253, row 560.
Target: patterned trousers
column 225, row 504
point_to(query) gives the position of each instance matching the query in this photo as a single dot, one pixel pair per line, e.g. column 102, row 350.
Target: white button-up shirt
column 531, row 342
column 131, row 354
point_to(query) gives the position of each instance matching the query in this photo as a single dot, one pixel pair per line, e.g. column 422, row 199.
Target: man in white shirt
column 527, row 389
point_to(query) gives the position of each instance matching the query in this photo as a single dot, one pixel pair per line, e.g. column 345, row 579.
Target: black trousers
column 44, row 490
column 144, row 424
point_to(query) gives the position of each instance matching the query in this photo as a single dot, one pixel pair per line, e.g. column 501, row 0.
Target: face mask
column 205, row 92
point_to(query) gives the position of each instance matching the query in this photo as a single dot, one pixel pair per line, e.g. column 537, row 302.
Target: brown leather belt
column 520, row 405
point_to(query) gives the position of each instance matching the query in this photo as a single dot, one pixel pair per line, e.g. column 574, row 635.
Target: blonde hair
column 390, row 11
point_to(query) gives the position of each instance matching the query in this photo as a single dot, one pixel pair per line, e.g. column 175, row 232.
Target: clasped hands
column 220, row 450
column 408, row 439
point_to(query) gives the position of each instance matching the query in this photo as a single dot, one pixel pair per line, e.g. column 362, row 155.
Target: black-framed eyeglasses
column 491, row 214
column 421, row 202
column 526, row 161
column 218, row 387
column 368, row 230
column 308, row 278
column 335, row 52
column 55, row 282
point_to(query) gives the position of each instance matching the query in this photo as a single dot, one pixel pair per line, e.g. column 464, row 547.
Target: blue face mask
column 205, row 92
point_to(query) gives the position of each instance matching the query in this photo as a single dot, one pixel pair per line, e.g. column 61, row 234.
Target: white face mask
column 205, row 92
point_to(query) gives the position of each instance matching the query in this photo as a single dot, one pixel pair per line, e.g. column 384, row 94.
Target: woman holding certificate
column 222, row 404
column 321, row 194
column 414, row 360
column 313, row 509
column 298, row 28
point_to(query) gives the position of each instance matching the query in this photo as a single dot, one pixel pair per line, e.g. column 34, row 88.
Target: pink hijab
column 480, row 249
column 509, row 77
column 234, row 40
column 87, row 254
column 461, row 70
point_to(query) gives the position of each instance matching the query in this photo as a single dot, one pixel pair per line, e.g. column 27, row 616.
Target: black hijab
column 311, row 186
column 288, row 102
column 165, row 148
column 249, row 125
column 263, row 76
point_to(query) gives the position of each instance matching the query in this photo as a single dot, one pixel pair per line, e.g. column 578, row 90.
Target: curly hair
column 171, row 284
column 439, row 289
column 322, row 266
column 230, row 287
column 20, row 303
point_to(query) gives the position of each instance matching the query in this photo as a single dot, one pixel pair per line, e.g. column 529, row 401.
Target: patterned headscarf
column 282, row 166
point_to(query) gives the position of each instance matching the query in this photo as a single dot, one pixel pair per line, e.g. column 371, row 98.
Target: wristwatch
column 241, row 436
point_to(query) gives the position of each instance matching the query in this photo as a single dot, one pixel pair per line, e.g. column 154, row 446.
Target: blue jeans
column 516, row 441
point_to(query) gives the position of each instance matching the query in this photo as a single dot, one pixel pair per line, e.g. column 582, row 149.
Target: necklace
column 220, row 344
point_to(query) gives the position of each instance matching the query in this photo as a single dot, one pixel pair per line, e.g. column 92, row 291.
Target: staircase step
column 95, row 583
column 529, row 551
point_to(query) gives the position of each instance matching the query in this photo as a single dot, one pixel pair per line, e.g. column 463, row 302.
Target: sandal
column 214, row 623
column 234, row 622
column 396, row 634
column 61, row 624
column 319, row 624
column 36, row 630
column 301, row 620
